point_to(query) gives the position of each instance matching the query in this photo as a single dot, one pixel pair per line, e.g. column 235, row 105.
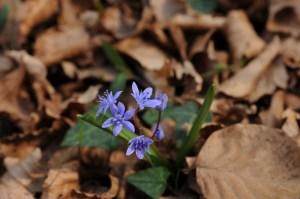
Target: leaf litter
column 57, row 56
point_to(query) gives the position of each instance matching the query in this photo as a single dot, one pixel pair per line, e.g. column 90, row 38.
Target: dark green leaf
column 115, row 58
column 119, row 83
column 204, row 6
column 4, row 10
column 87, row 134
column 152, row 181
column 84, row 134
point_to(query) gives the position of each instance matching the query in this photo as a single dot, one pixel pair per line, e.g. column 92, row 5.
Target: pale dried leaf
column 60, row 183
column 241, row 35
column 10, row 87
column 290, row 126
column 149, row 56
column 275, row 76
column 245, row 80
column 249, row 161
column 165, row 10
column 200, row 43
column 34, row 12
column 55, row 45
column 68, row 14
column 199, row 22
column 89, row 95
column 178, row 36
column 290, row 52
column 284, row 16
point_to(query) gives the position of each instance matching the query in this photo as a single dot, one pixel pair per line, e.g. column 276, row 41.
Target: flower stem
column 195, row 131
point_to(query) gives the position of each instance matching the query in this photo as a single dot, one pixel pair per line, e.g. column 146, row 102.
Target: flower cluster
column 121, row 117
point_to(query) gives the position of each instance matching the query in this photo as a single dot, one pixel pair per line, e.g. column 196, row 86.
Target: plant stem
column 195, row 131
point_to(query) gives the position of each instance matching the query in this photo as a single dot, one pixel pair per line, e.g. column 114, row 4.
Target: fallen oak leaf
column 34, row 12
column 53, row 45
column 249, row 161
column 236, row 86
column 241, row 35
column 284, row 17
column 19, row 177
column 149, row 56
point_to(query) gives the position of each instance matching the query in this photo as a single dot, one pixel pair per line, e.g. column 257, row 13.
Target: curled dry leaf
column 178, row 37
column 149, row 56
column 284, row 17
column 242, row 37
column 275, row 76
column 200, row 43
column 165, row 10
column 68, row 14
column 110, row 194
column 249, row 161
column 198, row 22
column 19, row 177
column 251, row 73
column 55, row 45
column 61, row 182
column 34, row 12
column 290, row 126
column 188, row 69
column 10, row 87
column 290, row 52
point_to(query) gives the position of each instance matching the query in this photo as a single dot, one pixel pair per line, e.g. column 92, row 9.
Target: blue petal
column 129, row 114
column 135, row 89
column 121, row 108
column 113, row 109
column 140, row 154
column 99, row 111
column 117, row 129
column 147, row 92
column 107, row 123
column 152, row 103
column 117, row 95
column 129, row 126
column 130, row 150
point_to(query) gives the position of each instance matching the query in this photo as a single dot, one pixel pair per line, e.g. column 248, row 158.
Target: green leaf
column 183, row 114
column 87, row 134
column 152, row 181
column 202, row 116
column 4, row 10
column 119, row 83
column 115, row 58
column 84, row 134
column 204, row 6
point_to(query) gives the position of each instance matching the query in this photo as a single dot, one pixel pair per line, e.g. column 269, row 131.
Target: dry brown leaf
column 89, row 95
column 284, row 16
column 275, row 76
column 34, row 12
column 179, row 39
column 290, row 52
column 55, row 45
column 188, row 69
column 292, row 101
column 290, row 126
column 165, row 10
column 10, row 87
column 61, row 182
column 241, row 35
column 149, row 56
column 198, row 22
column 19, row 177
column 245, row 80
column 249, row 161
column 69, row 14
column 200, row 43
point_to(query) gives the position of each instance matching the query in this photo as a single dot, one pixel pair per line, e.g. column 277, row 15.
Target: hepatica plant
column 113, row 117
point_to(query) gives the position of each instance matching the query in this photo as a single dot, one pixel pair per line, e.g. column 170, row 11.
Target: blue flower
column 142, row 98
column 106, row 101
column 139, row 145
column 159, row 133
column 163, row 98
column 119, row 119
